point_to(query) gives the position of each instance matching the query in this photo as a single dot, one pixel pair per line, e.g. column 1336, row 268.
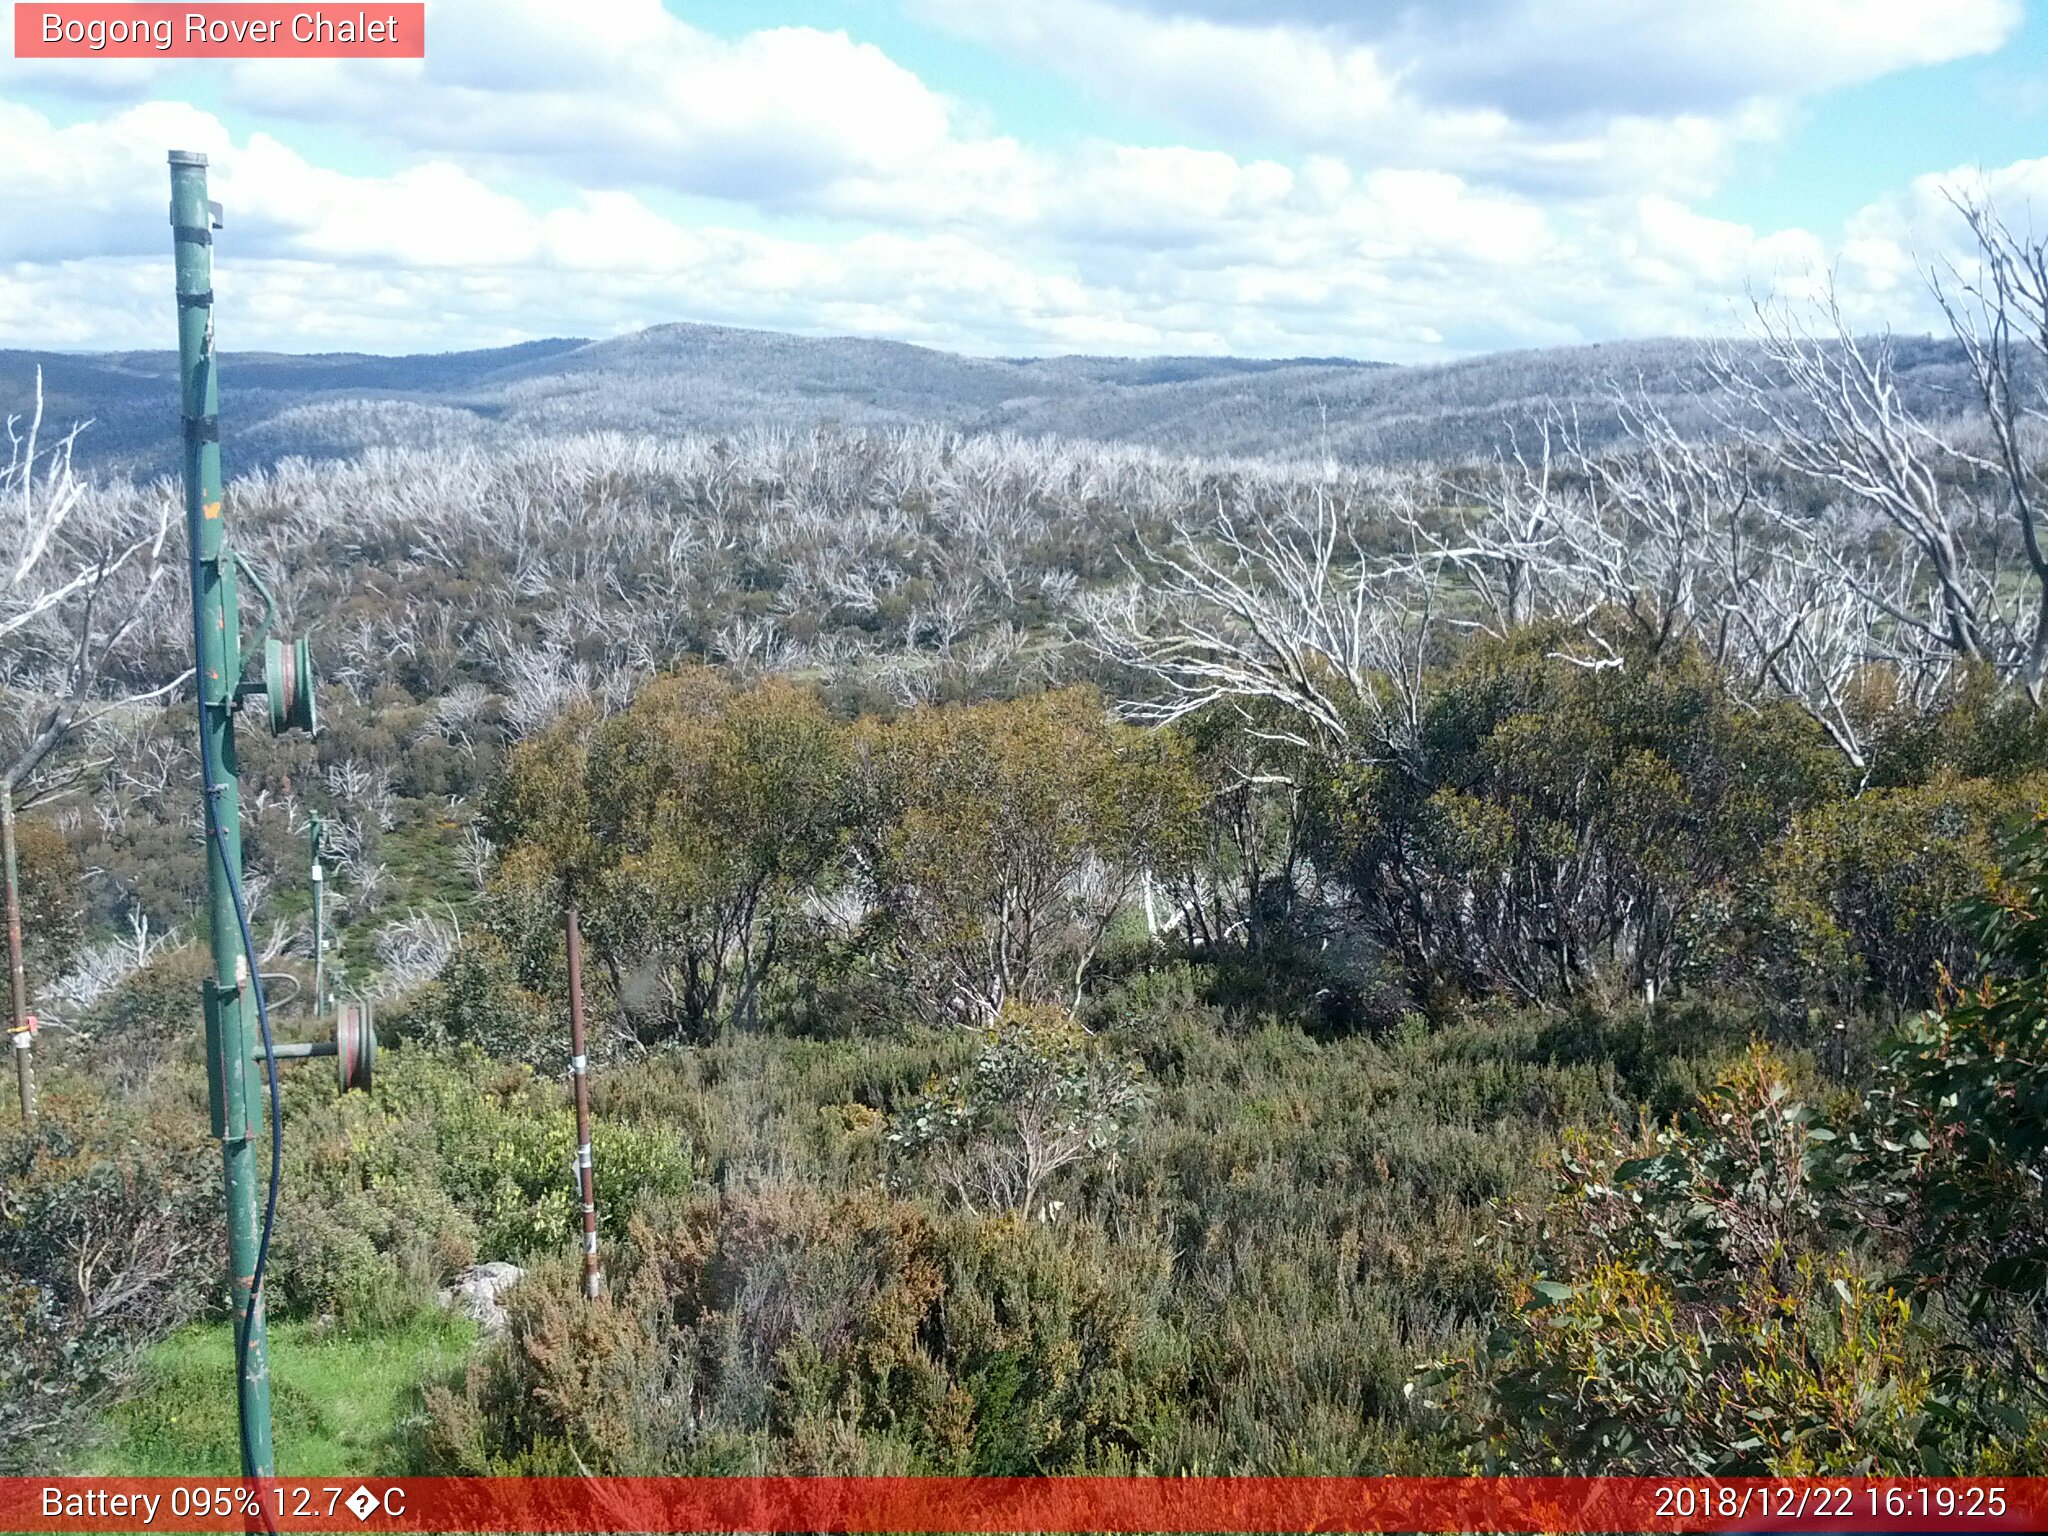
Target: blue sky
column 1853, row 145
column 1261, row 177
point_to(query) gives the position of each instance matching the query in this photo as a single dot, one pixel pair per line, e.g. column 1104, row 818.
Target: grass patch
column 339, row 1401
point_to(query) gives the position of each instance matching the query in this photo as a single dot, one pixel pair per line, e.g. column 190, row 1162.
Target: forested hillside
column 1099, row 959
column 707, row 379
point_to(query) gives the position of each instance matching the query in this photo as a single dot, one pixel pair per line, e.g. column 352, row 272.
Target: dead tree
column 1503, row 554
column 2000, row 316
column 84, row 570
column 1923, row 514
column 1827, row 410
column 1289, row 614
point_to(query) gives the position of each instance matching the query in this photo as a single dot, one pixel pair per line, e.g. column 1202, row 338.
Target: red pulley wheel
column 355, row 1046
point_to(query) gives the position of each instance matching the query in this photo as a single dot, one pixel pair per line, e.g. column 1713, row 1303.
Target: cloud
column 1565, row 96
column 1891, row 247
column 621, row 93
column 1139, row 250
column 83, row 190
column 1536, row 58
column 1361, row 223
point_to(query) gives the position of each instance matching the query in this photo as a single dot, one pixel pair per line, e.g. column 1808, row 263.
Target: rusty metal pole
column 18, row 1025
column 579, row 1075
column 318, row 834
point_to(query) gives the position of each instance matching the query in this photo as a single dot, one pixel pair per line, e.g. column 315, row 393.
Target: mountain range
column 683, row 378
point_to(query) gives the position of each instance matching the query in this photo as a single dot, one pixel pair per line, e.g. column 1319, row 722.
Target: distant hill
column 698, row 378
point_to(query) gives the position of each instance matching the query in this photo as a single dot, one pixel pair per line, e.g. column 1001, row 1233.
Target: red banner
column 220, row 31
column 1049, row 1504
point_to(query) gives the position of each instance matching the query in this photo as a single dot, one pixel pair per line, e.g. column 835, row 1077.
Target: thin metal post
column 18, row 1025
column 579, row 1075
column 230, row 1040
column 319, row 930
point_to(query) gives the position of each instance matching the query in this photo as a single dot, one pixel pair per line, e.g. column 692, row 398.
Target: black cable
column 276, row 1136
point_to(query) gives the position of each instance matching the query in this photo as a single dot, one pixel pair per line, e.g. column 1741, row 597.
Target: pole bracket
column 213, row 212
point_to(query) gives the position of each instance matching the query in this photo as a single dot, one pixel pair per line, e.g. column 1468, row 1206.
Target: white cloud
column 1549, row 95
column 428, row 215
column 1420, row 185
column 87, row 190
column 621, row 93
column 1148, row 250
column 1890, row 247
column 1533, row 57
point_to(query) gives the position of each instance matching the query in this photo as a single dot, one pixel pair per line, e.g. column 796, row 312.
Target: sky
column 1404, row 180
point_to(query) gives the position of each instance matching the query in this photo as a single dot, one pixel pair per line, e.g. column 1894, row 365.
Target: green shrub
column 452, row 1158
column 1043, row 1096
column 1816, row 1373
column 999, row 843
column 1976, row 728
column 366, row 1228
column 1551, row 821
column 51, row 883
column 105, row 1236
column 1661, row 1056
column 692, row 828
column 1164, row 1020
column 1763, row 1289
column 150, row 1018
column 478, row 1000
column 784, row 1330
column 1863, row 895
column 1292, row 1220
column 1953, row 1147
column 1688, row 1313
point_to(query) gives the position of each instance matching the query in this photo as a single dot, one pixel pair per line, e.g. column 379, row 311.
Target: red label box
column 370, row 30
column 683, row 1506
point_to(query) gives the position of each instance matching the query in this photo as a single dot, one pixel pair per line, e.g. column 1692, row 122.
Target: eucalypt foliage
column 1762, row 1287
column 1043, row 1096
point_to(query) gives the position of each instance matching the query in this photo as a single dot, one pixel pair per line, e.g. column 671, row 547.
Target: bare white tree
column 2000, row 315
column 413, row 951
column 1505, row 556
column 1800, row 630
column 1827, row 407
column 83, row 575
column 1282, row 611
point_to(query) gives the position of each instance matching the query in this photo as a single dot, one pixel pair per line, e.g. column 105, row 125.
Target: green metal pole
column 216, row 639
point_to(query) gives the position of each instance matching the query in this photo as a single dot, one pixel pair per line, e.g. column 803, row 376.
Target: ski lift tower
column 238, row 1035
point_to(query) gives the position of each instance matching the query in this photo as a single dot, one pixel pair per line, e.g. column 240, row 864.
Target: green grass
column 339, row 1401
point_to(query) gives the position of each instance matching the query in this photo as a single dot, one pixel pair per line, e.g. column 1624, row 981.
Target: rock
column 476, row 1290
